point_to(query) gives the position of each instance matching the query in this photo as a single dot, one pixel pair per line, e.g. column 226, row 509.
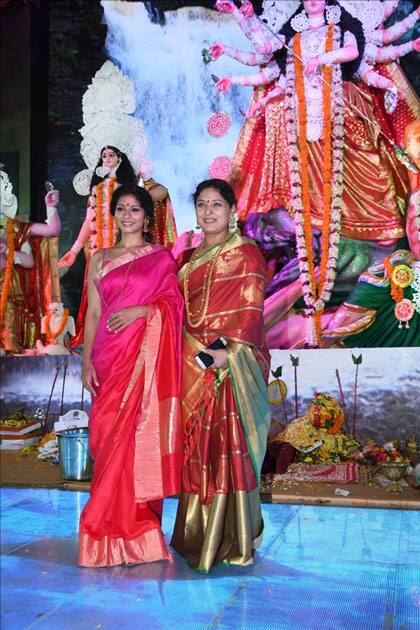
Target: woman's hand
column 216, row 51
column 67, row 260
column 124, row 317
column 220, row 357
column 89, row 378
column 223, row 85
column 312, row 65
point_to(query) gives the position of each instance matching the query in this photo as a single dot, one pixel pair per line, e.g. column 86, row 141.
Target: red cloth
column 135, row 426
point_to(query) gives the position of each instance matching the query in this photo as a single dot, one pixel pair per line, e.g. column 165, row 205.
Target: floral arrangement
column 372, row 454
column 326, row 413
column 219, row 124
column 221, row 167
column 335, row 449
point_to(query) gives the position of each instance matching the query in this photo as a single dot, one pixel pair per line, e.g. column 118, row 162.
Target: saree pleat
column 135, row 424
column 219, row 517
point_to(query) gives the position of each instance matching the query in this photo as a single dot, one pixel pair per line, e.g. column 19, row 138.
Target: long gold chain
column 200, row 314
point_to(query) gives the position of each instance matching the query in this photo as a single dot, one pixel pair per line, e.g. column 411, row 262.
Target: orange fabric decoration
column 53, row 336
column 397, row 293
column 9, row 268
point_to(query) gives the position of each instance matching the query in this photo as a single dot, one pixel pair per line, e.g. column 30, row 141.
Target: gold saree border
column 251, row 395
column 127, row 257
column 235, row 240
column 227, row 531
column 109, row 551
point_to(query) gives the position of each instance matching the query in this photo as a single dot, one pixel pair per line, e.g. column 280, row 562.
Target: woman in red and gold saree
column 225, row 407
column 131, row 365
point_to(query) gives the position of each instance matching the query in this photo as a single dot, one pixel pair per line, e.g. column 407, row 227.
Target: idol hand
column 247, row 9
column 223, row 85
column 52, row 198
column 225, row 6
column 67, row 260
column 216, row 51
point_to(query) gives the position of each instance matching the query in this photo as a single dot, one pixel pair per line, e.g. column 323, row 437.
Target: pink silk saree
column 135, row 423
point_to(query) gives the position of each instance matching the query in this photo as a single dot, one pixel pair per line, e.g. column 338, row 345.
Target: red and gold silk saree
column 225, row 412
column 135, row 422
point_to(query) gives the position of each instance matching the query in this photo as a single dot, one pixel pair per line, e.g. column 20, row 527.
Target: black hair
column 125, row 173
column 222, row 186
column 347, row 23
column 142, row 196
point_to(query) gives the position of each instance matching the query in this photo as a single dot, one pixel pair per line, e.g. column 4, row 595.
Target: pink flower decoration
column 404, row 310
column 221, row 167
column 219, row 124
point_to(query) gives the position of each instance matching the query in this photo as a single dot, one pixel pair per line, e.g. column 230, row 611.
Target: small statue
column 56, row 326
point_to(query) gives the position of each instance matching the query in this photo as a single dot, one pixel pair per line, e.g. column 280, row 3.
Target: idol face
column 109, row 158
column 314, row 7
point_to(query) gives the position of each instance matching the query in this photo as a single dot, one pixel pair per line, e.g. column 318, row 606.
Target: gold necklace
column 200, row 314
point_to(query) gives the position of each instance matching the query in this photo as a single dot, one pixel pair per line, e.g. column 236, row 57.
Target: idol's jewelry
column 300, row 22
column 332, row 14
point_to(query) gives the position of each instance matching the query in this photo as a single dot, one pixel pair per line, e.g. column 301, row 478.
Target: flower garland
column 10, row 240
column 102, row 211
column 333, row 140
column 397, row 292
column 53, row 336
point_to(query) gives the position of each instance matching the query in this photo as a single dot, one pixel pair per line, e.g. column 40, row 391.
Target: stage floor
column 318, row 568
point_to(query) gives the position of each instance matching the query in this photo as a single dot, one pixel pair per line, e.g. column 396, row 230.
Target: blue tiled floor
column 320, row 568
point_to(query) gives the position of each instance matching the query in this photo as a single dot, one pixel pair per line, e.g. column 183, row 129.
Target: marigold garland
column 10, row 240
column 102, row 211
column 53, row 336
column 397, row 293
column 316, row 297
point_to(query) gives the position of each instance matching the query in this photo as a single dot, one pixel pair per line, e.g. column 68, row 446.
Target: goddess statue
column 113, row 148
column 28, row 279
column 324, row 147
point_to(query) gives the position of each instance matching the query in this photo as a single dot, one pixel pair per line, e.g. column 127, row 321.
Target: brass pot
column 394, row 471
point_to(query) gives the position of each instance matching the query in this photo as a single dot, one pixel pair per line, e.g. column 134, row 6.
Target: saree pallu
column 225, row 413
column 135, row 422
column 375, row 182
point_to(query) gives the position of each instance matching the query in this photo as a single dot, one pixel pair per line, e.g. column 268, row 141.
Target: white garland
column 314, row 304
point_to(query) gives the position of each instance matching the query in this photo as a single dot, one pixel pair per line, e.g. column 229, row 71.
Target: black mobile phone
column 204, row 359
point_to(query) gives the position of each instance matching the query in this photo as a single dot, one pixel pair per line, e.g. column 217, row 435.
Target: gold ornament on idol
column 196, row 318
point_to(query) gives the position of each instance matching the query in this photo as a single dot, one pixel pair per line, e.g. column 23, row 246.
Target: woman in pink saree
column 131, row 365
